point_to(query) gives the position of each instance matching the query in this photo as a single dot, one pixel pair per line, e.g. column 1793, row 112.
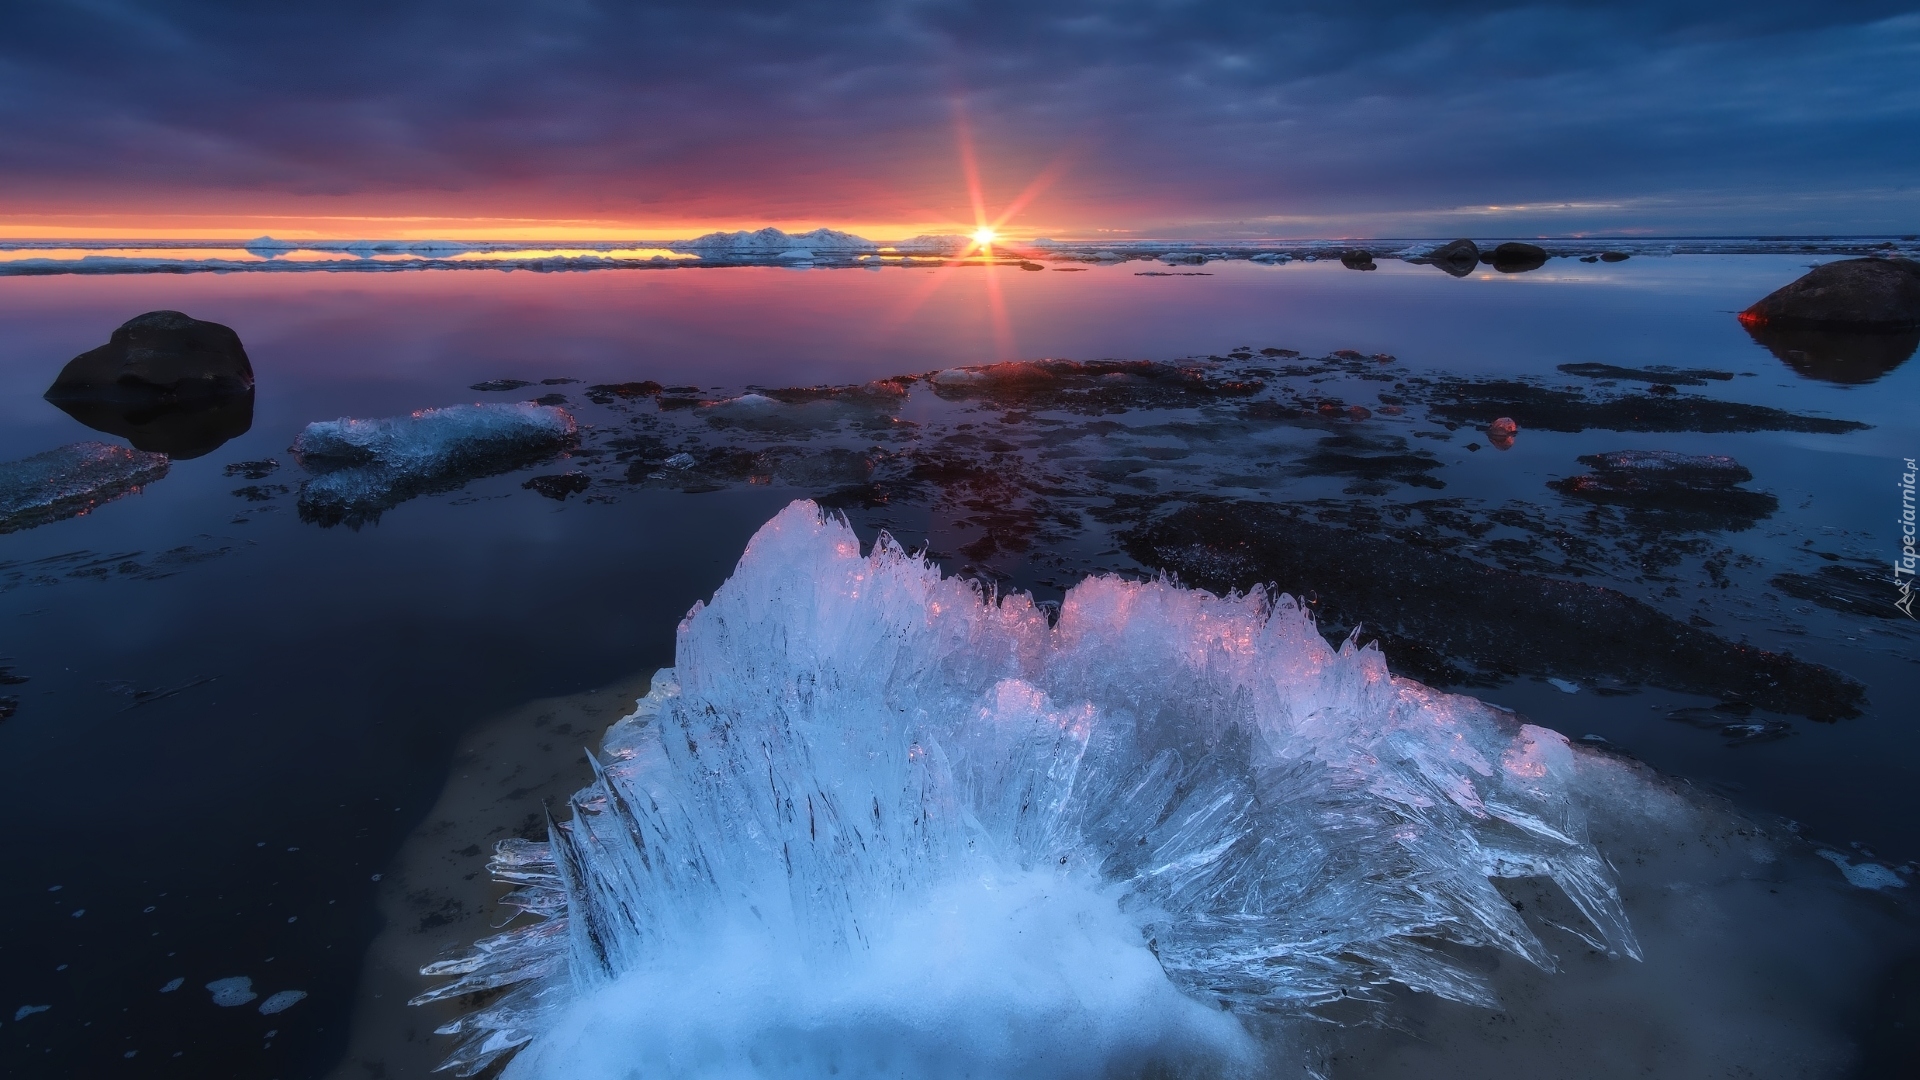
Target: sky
column 552, row 119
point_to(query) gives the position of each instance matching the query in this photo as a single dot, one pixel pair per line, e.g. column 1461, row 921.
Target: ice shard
column 877, row 821
column 70, row 481
column 364, row 467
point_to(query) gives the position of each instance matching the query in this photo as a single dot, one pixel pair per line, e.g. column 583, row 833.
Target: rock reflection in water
column 178, row 429
column 1843, row 357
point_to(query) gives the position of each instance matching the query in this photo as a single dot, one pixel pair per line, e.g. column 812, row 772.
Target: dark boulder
column 1845, row 357
column 166, row 382
column 1357, row 260
column 1614, row 256
column 1457, row 258
column 1858, row 294
column 1516, row 258
column 159, row 356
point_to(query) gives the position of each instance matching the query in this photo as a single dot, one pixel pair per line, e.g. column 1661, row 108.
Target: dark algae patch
column 1447, row 619
column 1549, row 409
column 1849, row 589
column 1697, row 491
column 1670, row 376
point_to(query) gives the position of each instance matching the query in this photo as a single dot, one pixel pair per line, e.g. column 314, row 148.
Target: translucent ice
column 282, row 1001
column 1864, row 875
column 231, row 992
column 876, row 822
column 364, row 467
column 70, row 481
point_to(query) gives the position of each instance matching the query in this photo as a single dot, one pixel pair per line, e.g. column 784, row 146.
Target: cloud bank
column 1380, row 117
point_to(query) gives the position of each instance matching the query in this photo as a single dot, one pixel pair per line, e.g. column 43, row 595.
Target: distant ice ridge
column 775, row 241
column 876, row 823
column 363, row 467
column 71, row 480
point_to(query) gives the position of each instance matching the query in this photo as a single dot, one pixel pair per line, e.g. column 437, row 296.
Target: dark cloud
column 1262, row 117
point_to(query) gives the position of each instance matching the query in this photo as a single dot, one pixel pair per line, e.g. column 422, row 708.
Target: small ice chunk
column 70, row 481
column 679, row 461
column 281, row 1002
column 1564, row 686
column 25, row 1011
column 230, row 992
column 364, row 467
column 172, row 985
column 77, row 912
column 1864, row 875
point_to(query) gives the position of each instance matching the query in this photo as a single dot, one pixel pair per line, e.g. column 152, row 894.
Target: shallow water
column 324, row 674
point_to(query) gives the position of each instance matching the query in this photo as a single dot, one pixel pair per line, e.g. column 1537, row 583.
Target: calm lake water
column 325, row 674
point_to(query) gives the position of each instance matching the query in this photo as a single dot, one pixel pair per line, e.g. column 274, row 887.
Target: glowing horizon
column 478, row 229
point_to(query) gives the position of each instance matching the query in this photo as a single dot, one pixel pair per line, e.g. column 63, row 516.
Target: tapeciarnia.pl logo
column 1905, row 563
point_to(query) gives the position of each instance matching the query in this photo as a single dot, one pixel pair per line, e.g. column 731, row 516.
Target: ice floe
column 364, row 467
column 71, row 480
column 232, row 992
column 281, row 1002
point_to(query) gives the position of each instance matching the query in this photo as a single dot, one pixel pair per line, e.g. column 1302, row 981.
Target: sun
column 983, row 236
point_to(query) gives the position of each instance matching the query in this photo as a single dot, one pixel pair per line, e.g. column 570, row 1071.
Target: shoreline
column 436, row 895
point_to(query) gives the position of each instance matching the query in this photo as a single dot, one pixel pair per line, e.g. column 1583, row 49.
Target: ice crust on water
column 71, row 480
column 282, row 1001
column 363, row 467
column 876, row 822
column 232, row 992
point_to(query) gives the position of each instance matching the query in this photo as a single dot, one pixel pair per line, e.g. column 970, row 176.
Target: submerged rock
column 1861, row 294
column 71, row 481
column 365, row 467
column 1447, row 619
column 1698, row 490
column 1845, row 357
column 608, row 393
column 1657, row 374
column 1549, row 409
column 559, row 485
column 1516, row 258
column 166, row 382
column 1091, row 386
column 1848, row 589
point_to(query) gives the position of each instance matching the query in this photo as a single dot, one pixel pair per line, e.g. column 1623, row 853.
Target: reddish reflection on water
column 328, row 344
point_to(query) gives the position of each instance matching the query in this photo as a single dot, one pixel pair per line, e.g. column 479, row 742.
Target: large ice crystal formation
column 71, row 480
column 364, row 467
column 878, row 822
